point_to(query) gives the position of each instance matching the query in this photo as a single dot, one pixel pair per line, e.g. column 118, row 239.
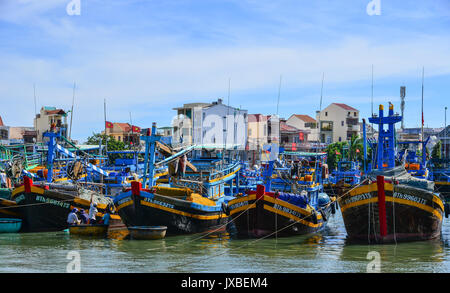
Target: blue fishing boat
column 190, row 202
column 440, row 174
column 391, row 205
column 289, row 203
column 44, row 205
column 407, row 153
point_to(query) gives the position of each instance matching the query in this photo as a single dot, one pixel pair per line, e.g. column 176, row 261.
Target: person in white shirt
column 72, row 219
column 92, row 212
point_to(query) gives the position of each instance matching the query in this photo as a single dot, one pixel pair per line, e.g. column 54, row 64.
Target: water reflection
column 327, row 251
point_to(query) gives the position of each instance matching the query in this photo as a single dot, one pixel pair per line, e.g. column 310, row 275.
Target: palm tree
column 356, row 148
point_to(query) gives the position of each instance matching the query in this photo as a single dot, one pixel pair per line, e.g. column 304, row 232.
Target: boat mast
column 320, row 112
column 71, row 112
column 279, row 93
column 106, row 137
column 423, row 146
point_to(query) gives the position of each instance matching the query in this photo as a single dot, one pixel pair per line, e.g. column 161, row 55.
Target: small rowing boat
column 93, row 230
column 147, row 232
column 10, row 225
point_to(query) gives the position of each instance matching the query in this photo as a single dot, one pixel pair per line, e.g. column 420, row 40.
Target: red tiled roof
column 124, row 126
column 57, row 111
column 305, row 118
column 285, row 127
column 345, row 106
column 256, row 117
column 1, row 121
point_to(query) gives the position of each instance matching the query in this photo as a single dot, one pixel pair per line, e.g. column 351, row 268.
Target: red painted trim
column 260, row 190
column 381, row 206
column 27, row 182
column 136, row 188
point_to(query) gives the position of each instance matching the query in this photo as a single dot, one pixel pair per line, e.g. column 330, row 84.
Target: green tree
column 436, row 153
column 334, row 154
column 356, row 149
column 113, row 144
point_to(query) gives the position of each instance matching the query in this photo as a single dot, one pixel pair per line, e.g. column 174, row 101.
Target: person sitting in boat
column 72, row 219
column 106, row 216
column 93, row 212
column 84, row 218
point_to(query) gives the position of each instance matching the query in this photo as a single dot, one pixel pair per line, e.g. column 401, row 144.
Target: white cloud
column 150, row 72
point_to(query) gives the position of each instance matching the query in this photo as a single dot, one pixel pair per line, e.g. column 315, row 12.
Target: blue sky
column 147, row 57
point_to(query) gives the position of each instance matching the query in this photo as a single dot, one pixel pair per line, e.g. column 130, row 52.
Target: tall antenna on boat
column 371, row 102
column 279, row 92
column 106, row 137
column 320, row 108
column 320, row 112
column 71, row 112
column 423, row 74
column 402, row 103
column 228, row 114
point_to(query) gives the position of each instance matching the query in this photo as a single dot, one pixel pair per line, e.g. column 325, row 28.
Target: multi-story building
column 16, row 134
column 124, row 132
column 292, row 138
column 214, row 124
column 338, row 122
column 48, row 119
column 257, row 133
column 305, row 123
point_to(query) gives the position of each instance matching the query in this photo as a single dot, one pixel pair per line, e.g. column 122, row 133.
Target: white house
column 338, row 122
column 50, row 117
column 305, row 123
column 215, row 124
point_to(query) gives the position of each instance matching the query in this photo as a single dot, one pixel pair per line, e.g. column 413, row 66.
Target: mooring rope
column 273, row 233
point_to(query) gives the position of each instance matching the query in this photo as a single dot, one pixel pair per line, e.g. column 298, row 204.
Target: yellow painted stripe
column 125, row 204
column 415, row 204
column 200, row 217
column 82, row 201
column 287, row 215
column 395, row 200
column 438, row 201
column 37, row 190
column 17, row 190
column 358, row 203
column 370, row 188
column 224, row 177
column 242, row 208
column 241, row 199
column 442, row 183
column 287, row 205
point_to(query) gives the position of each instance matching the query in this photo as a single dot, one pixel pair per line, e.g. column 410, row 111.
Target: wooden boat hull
column 89, row 230
column 179, row 216
column 147, row 233
column 10, row 225
column 46, row 210
column 265, row 216
column 411, row 214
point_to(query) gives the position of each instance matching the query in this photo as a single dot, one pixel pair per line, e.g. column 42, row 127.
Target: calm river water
column 323, row 252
